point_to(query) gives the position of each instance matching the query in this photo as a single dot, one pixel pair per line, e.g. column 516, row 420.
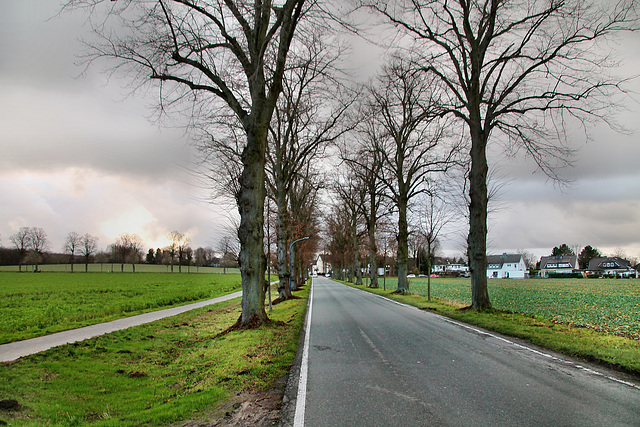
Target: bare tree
column 183, row 250
column 221, row 56
column 305, row 214
column 339, row 231
column 21, row 240
column 433, row 215
column 306, row 119
column 128, row 248
column 174, row 244
column 366, row 165
column 38, row 243
column 71, row 244
column 228, row 252
column 350, row 195
column 410, row 141
column 88, row 246
column 521, row 68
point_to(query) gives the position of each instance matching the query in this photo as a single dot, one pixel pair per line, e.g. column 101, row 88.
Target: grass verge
column 609, row 350
column 33, row 305
column 155, row 374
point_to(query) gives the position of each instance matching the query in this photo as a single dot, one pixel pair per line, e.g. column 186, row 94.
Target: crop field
column 33, row 305
column 607, row 305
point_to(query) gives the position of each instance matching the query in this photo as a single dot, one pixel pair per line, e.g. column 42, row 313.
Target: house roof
column 608, row 263
column 559, row 262
column 503, row 259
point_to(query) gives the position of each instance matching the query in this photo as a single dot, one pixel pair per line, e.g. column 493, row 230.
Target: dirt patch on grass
column 259, row 409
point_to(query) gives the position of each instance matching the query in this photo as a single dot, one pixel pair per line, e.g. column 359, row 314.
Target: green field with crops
column 608, row 305
column 39, row 304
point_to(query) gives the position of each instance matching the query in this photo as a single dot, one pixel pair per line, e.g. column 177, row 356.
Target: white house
column 558, row 264
column 457, row 268
column 506, row 266
column 320, row 266
column 450, row 268
column 438, row 268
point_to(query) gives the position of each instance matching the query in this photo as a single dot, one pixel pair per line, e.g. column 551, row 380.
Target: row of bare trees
column 517, row 72
column 32, row 241
column 399, row 149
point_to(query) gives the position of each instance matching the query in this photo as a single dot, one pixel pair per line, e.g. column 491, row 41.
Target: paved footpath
column 15, row 350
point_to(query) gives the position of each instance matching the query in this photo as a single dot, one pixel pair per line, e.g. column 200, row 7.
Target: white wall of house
column 507, row 270
column 449, row 268
column 321, row 267
column 438, row 268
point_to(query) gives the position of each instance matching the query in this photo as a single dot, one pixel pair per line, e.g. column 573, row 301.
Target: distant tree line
column 30, row 246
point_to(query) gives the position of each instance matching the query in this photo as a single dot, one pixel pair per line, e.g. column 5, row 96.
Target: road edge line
column 542, row 352
column 291, row 395
column 301, row 398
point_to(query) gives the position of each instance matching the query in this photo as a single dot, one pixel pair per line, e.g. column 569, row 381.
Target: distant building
column 321, row 266
column 611, row 266
column 459, row 269
column 506, row 266
column 565, row 264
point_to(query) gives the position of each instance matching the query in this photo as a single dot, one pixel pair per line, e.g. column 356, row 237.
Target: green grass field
column 109, row 267
column 607, row 305
column 39, row 304
column 160, row 373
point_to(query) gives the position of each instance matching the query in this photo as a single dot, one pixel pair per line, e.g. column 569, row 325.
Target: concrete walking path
column 15, row 350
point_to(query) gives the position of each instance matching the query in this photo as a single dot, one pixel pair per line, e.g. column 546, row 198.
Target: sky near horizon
column 81, row 154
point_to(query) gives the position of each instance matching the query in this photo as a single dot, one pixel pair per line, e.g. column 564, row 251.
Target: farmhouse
column 506, row 266
column 611, row 266
column 558, row 265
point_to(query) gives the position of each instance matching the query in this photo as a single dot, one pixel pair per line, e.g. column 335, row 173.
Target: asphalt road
column 374, row 362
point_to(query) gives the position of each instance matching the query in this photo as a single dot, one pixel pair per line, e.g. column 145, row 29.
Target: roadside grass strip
column 33, row 305
column 618, row 352
column 163, row 372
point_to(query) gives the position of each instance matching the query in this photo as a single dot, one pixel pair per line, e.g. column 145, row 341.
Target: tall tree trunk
column 300, row 273
column 429, row 266
column 477, row 241
column 250, row 198
column 281, row 231
column 356, row 260
column 356, row 253
column 373, row 253
column 403, row 246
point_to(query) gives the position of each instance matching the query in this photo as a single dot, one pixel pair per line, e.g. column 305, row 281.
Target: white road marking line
column 523, row 347
column 546, row 355
column 298, row 418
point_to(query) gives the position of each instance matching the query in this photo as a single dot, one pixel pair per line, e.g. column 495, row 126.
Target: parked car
column 410, row 276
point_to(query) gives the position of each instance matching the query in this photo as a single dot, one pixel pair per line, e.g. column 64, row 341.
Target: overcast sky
column 78, row 155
